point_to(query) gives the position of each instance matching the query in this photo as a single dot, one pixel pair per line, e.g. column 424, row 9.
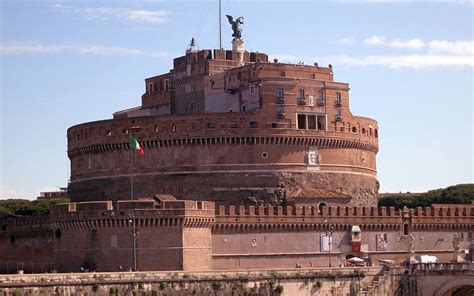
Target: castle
column 248, row 163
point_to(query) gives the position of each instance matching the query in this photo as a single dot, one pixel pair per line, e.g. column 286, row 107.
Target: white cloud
column 38, row 48
column 452, row 47
column 148, row 16
column 416, row 44
column 404, row 61
column 397, row 43
column 104, row 13
column 346, row 41
column 434, row 47
column 375, row 41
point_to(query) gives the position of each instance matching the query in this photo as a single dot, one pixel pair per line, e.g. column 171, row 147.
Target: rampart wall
column 189, row 235
column 251, row 237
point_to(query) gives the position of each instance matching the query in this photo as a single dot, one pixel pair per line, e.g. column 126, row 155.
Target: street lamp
column 134, row 235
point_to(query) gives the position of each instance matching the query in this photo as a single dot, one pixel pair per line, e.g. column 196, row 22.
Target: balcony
column 320, row 102
column 280, row 100
column 338, row 103
column 280, row 114
column 301, row 101
column 338, row 117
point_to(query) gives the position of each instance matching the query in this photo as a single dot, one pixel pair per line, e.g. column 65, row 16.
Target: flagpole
column 220, row 26
column 131, row 164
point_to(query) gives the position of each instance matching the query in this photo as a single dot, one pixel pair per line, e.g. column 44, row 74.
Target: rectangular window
column 280, row 93
column 113, row 241
column 311, row 121
column 322, row 122
column 301, row 121
column 301, row 95
column 313, row 76
column 280, row 110
column 166, row 84
column 150, row 88
column 338, row 98
column 321, row 96
column 282, row 74
column 252, row 89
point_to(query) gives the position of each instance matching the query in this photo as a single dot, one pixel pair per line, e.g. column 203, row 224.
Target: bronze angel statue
column 236, row 26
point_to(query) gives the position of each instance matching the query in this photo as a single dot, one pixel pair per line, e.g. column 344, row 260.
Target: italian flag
column 135, row 145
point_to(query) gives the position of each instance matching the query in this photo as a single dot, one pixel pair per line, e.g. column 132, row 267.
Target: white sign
column 326, row 243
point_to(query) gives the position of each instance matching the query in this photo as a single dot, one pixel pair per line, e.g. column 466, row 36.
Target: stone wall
column 190, row 235
column 263, row 282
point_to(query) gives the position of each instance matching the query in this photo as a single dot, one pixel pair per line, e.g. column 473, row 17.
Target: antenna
column 220, row 26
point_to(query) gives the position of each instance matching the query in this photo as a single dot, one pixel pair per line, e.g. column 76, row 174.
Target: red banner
column 355, row 246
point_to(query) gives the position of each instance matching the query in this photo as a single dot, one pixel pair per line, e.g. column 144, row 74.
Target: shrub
column 163, row 285
column 95, row 287
column 318, row 285
column 216, row 285
column 278, row 289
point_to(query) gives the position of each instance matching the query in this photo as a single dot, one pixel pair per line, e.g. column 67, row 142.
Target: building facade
column 247, row 164
column 243, row 126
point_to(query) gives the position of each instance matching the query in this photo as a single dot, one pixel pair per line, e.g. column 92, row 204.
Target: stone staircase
column 386, row 282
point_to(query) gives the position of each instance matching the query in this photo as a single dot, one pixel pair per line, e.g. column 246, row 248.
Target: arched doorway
column 460, row 291
column 459, row 287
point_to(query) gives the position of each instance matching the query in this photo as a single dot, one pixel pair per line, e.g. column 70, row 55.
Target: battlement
column 218, row 55
column 249, row 211
column 371, row 218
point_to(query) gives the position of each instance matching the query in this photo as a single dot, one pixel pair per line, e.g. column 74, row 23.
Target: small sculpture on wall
column 456, row 241
column 254, row 240
column 381, row 242
column 412, row 242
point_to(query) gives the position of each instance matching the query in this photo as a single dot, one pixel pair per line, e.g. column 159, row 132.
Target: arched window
column 376, row 133
column 354, row 129
column 320, row 207
column 363, row 131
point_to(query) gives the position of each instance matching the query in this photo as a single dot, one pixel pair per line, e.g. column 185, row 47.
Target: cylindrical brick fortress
column 216, row 157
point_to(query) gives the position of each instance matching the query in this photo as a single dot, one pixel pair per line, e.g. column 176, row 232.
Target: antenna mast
column 220, row 26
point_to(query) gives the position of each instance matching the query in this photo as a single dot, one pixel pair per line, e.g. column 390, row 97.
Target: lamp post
column 329, row 236
column 134, row 235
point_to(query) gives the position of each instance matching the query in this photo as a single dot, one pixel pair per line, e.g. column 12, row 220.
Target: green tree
column 458, row 194
column 25, row 207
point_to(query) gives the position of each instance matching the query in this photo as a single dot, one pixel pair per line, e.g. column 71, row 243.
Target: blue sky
column 409, row 63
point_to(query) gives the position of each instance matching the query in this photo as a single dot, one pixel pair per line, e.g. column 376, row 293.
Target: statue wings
column 230, row 18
